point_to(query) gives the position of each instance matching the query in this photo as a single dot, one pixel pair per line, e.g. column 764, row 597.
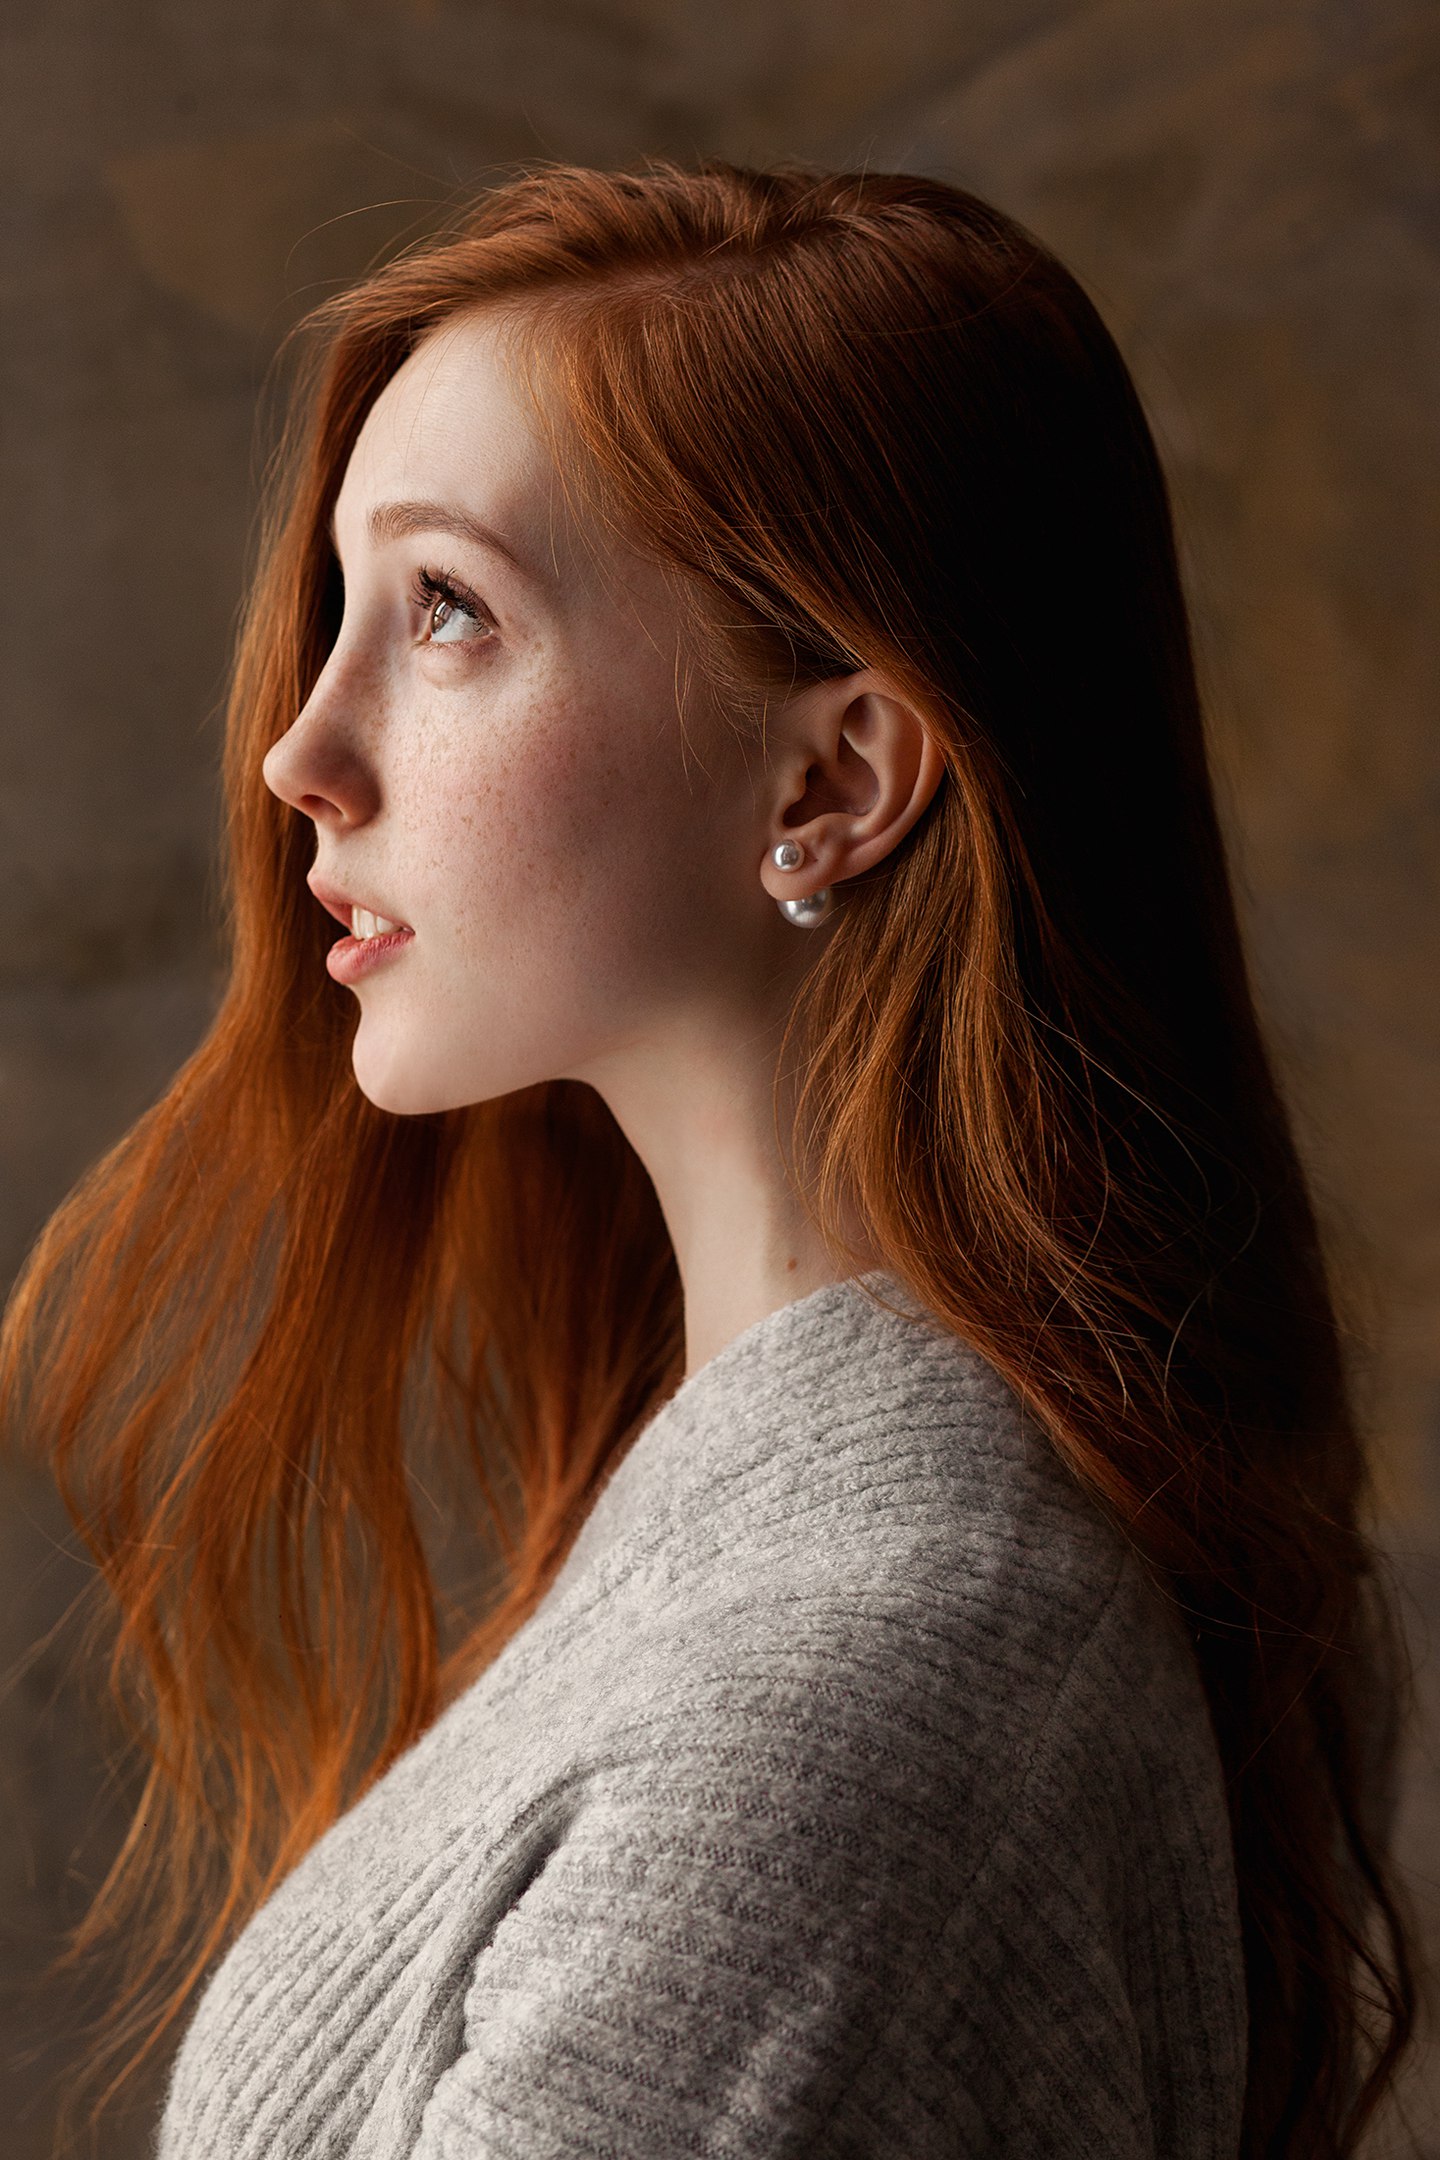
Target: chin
column 393, row 1082
column 393, row 1078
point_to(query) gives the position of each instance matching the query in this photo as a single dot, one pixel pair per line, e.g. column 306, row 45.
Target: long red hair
column 865, row 419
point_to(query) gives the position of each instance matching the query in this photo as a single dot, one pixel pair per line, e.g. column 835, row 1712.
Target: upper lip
column 340, row 903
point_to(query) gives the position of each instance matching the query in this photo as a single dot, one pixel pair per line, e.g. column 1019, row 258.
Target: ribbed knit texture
column 851, row 1793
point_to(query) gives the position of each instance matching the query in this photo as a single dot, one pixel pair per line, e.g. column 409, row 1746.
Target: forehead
column 453, row 424
column 457, row 427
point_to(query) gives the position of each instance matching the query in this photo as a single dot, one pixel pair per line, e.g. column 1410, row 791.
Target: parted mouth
column 361, row 920
column 365, row 925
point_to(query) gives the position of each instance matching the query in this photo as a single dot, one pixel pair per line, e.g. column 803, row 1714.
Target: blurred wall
column 1250, row 189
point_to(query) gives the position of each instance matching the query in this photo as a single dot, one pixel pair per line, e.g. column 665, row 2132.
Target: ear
column 852, row 767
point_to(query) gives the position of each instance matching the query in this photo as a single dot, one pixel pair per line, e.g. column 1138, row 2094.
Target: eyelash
column 433, row 586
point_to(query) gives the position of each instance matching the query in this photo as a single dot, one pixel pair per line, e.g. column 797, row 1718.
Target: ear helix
column 808, row 913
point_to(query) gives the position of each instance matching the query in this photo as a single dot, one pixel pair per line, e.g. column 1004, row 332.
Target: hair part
column 865, row 419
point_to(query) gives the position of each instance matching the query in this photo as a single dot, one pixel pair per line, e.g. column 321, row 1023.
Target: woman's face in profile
column 493, row 760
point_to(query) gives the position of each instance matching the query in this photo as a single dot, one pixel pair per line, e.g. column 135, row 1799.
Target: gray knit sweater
column 851, row 1792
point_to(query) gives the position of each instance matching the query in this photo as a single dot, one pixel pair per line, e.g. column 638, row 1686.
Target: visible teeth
column 365, row 925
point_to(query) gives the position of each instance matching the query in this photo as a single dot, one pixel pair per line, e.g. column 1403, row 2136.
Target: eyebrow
column 395, row 520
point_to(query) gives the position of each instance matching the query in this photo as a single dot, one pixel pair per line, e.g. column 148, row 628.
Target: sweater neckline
column 780, row 1320
column 641, row 1484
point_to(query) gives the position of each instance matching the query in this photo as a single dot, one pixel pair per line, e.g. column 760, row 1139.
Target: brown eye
column 451, row 624
column 453, row 615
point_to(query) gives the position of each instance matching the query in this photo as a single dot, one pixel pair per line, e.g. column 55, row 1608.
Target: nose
column 318, row 767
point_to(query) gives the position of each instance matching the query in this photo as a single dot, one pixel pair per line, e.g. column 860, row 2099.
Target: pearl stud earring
column 806, row 914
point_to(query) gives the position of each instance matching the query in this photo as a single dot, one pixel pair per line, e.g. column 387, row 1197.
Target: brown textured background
column 1251, row 190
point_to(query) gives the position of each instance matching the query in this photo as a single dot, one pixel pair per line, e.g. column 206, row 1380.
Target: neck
column 700, row 1118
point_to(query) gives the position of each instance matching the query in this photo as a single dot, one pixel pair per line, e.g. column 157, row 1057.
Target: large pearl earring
column 808, row 913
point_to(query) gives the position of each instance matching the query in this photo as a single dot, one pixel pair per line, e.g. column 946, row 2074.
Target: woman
column 789, row 1107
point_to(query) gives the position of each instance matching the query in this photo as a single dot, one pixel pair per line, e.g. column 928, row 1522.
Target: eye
column 453, row 614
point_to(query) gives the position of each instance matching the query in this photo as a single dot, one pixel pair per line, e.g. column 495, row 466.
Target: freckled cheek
column 502, row 844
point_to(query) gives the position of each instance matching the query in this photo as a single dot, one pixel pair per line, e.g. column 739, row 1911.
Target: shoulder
column 845, row 1561
column 888, row 1572
column 900, row 1510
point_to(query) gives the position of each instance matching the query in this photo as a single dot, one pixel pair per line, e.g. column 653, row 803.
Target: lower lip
column 351, row 957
